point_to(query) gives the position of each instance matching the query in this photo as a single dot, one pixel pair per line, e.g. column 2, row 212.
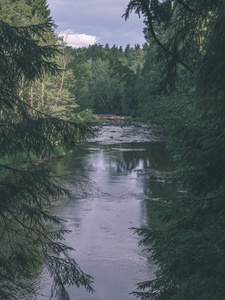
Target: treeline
column 115, row 80
column 104, row 78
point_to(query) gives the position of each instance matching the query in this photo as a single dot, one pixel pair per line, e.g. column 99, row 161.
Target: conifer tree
column 27, row 188
column 190, row 248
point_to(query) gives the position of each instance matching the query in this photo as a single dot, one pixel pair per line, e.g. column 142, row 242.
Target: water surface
column 116, row 180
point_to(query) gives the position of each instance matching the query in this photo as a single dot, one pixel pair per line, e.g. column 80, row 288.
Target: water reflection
column 110, row 198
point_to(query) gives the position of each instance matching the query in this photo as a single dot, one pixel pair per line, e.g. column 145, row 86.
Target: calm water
column 116, row 180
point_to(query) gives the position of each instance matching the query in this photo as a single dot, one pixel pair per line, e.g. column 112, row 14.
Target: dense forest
column 48, row 94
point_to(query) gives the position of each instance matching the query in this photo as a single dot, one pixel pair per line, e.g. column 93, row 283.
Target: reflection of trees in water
column 154, row 156
column 147, row 159
column 131, row 161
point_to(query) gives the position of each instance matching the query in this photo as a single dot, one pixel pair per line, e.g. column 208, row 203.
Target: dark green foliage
column 107, row 79
column 31, row 236
column 189, row 248
column 14, row 64
column 39, row 10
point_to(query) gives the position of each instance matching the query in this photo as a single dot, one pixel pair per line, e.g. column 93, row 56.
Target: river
column 118, row 172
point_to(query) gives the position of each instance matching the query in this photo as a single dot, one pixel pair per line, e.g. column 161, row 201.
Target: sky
column 86, row 22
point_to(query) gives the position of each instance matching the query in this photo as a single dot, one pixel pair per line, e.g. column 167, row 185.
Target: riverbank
column 111, row 117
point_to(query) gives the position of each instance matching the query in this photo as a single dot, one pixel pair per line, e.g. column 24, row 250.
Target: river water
column 118, row 171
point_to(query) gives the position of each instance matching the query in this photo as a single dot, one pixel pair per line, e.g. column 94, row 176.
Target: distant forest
column 106, row 80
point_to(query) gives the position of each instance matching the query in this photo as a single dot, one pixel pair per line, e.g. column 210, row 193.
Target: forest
column 49, row 93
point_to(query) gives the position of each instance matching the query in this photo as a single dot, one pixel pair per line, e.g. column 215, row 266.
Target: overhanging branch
column 151, row 29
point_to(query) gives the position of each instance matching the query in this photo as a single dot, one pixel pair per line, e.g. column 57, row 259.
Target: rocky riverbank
column 109, row 133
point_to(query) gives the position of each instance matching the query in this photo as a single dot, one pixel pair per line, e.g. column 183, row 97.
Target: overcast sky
column 84, row 22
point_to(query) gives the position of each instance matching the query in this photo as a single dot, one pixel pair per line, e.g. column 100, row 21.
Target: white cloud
column 77, row 40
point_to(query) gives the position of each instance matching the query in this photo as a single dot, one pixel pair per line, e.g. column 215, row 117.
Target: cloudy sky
column 84, row 22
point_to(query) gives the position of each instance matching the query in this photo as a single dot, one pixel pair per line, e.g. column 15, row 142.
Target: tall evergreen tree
column 26, row 189
column 190, row 249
